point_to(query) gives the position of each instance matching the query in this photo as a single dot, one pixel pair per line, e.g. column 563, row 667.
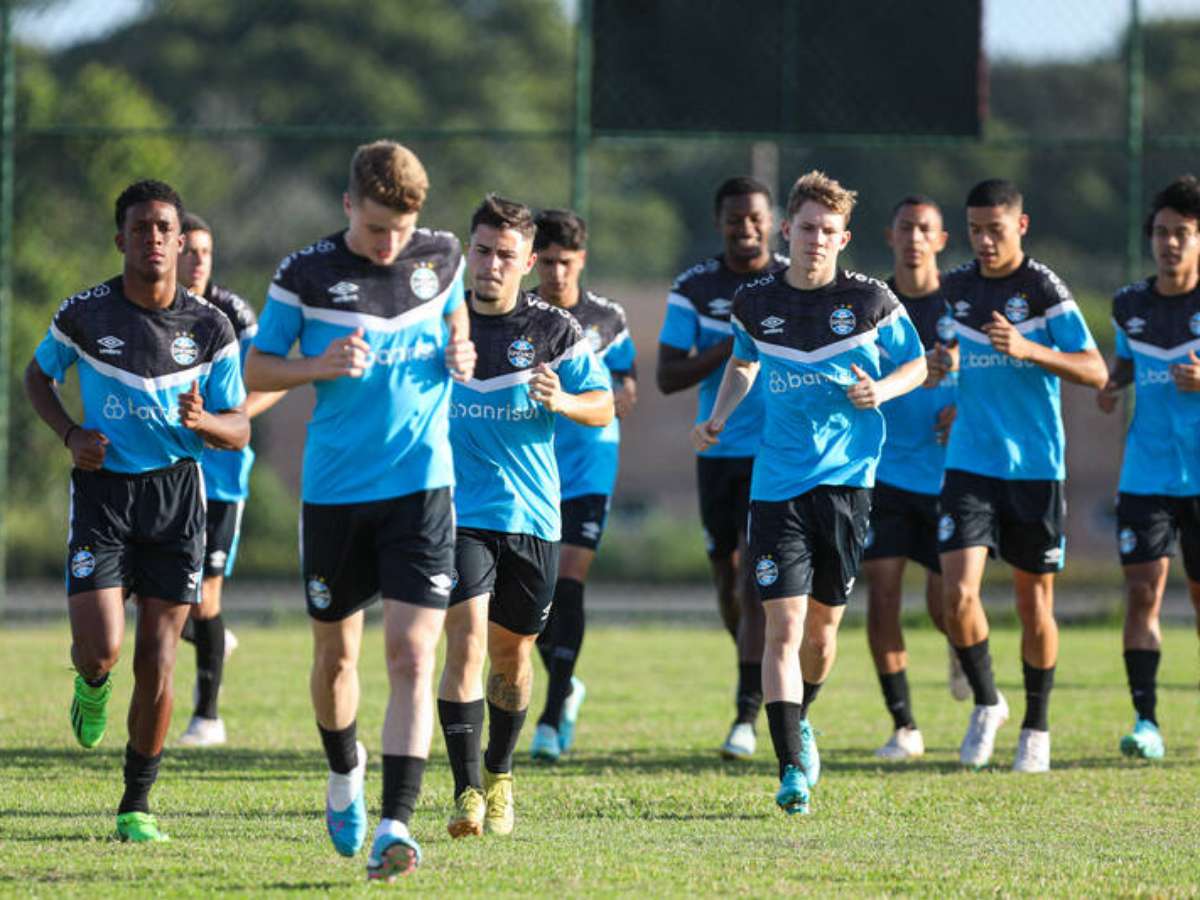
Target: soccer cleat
column 139, row 827
column 810, row 759
column 1033, row 751
column 467, row 818
column 391, row 856
column 1144, row 742
column 980, row 739
column 202, row 732
column 741, row 742
column 545, row 746
column 89, row 711
column 960, row 688
column 792, row 796
column 905, row 743
column 498, row 814
column 570, row 715
column 348, row 827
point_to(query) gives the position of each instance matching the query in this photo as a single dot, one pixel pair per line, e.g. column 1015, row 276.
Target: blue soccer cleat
column 570, row 715
column 348, row 827
column 792, row 796
column 810, row 759
column 391, row 856
column 1144, row 742
column 545, row 746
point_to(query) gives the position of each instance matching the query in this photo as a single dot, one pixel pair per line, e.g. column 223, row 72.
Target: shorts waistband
column 140, row 476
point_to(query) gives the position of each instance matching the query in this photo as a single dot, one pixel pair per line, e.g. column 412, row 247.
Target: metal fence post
column 8, row 116
column 581, row 130
column 1134, row 141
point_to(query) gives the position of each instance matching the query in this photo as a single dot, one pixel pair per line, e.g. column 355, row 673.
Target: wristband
column 67, row 435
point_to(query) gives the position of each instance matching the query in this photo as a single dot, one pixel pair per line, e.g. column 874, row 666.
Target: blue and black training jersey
column 384, row 434
column 1162, row 449
column 912, row 458
column 227, row 472
column 503, row 440
column 133, row 365
column 1009, row 422
column 806, row 342
column 588, row 457
column 698, row 310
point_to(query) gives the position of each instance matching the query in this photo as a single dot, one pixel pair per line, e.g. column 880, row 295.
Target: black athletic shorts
column 518, row 571
column 1022, row 520
column 221, row 533
column 1149, row 524
column 810, row 545
column 402, row 547
column 143, row 533
column 724, row 488
column 583, row 520
column 904, row 524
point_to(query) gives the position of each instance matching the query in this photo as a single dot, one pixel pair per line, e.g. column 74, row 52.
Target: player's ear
column 1023, row 223
column 889, row 236
column 347, row 204
column 845, row 239
column 529, row 262
column 939, row 244
column 785, row 229
column 119, row 240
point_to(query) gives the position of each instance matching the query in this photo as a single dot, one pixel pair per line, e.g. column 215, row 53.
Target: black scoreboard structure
column 788, row 67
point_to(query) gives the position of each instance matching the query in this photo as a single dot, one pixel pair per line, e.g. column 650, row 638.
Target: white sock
column 344, row 788
column 393, row 828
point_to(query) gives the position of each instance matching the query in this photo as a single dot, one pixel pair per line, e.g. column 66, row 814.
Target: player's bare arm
column 344, row 356
column 940, row 361
column 460, row 352
column 87, row 446
column 1084, row 367
column 679, row 370
column 624, row 394
column 593, row 408
column 225, row 430
column 735, row 385
column 1120, row 376
column 867, row 393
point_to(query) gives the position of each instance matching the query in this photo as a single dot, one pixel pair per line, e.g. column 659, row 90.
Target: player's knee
column 96, row 658
column 409, row 660
column 1035, row 609
column 785, row 631
column 1142, row 598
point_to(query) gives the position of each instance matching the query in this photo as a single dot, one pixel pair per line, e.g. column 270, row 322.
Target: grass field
column 644, row 806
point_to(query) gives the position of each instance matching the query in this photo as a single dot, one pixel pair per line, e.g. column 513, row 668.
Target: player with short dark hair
column 1019, row 333
column 820, row 335
column 226, row 486
column 587, row 468
column 694, row 344
column 1158, row 500
column 159, row 377
column 379, row 315
column 535, row 364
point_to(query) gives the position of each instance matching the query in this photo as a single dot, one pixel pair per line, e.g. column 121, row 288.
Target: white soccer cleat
column 203, row 732
column 741, row 742
column 905, row 743
column 231, row 643
column 960, row 688
column 980, row 739
column 1033, row 751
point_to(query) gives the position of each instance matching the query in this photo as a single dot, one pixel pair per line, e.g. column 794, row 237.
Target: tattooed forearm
column 507, row 693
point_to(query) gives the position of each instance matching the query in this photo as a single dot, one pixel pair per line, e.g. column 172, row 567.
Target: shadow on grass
column 189, row 762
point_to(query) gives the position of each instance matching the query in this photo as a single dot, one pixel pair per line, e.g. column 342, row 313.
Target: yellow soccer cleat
column 498, row 797
column 467, row 818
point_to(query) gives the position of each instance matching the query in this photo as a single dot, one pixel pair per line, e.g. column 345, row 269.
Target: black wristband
column 67, row 435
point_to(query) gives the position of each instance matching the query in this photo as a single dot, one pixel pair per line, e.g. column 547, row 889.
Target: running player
column 159, row 378
column 587, row 469
column 378, row 312
column 904, row 511
column 226, row 486
column 1158, row 335
column 1019, row 332
column 534, row 362
column 820, row 336
column 694, row 344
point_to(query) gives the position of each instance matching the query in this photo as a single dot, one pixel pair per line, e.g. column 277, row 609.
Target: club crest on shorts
column 1016, row 308
column 318, row 592
column 453, row 579
column 1126, row 541
column 945, row 329
column 184, row 349
column 1194, row 324
column 945, row 528
column 424, row 281
column 842, row 321
column 869, row 539
column 766, row 572
column 83, row 564
column 521, row 353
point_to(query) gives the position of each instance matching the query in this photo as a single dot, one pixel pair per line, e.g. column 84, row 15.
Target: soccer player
column 226, row 486
column 587, row 469
column 535, row 363
column 159, row 378
column 1019, row 332
column 1158, row 334
column 904, row 503
column 378, row 312
column 695, row 342
column 820, row 335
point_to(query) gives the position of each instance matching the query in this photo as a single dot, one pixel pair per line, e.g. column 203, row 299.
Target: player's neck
column 501, row 307
column 747, row 266
column 917, row 282
column 565, row 300
column 805, row 280
column 148, row 294
column 1172, row 284
column 1005, row 270
column 198, row 289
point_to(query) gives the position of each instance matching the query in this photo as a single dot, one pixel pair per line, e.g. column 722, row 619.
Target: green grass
column 645, row 806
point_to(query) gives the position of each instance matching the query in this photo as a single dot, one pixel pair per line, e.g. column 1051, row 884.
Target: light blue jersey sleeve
column 455, row 297
column 743, row 345
column 223, row 389
column 579, row 371
column 280, row 324
column 619, row 356
column 681, row 327
column 56, row 354
column 898, row 338
column 1067, row 327
column 1122, row 348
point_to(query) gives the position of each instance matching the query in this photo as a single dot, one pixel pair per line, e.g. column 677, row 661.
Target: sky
column 1031, row 30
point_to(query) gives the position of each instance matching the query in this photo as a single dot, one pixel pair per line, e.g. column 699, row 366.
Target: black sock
column 1038, row 683
column 462, row 727
column 783, row 719
column 210, row 663
column 810, row 694
column 566, row 637
column 97, row 682
column 401, row 784
column 1141, row 668
column 895, row 695
column 749, row 692
column 504, row 728
column 341, row 747
column 189, row 631
column 977, row 666
column 140, row 774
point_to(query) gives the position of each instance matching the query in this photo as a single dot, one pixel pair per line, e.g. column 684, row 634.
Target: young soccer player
column 587, row 468
column 535, row 363
column 1019, row 332
column 694, row 345
column 160, row 379
column 1158, row 335
column 820, row 335
column 378, row 312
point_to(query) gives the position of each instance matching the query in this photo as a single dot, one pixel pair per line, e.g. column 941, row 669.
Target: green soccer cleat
column 141, row 828
column 1144, row 742
column 89, row 711
column 792, row 796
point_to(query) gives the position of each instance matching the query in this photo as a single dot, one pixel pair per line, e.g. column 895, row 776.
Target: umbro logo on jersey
column 720, row 306
column 111, row 346
column 1137, row 325
column 772, row 325
column 344, row 292
column 961, row 308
